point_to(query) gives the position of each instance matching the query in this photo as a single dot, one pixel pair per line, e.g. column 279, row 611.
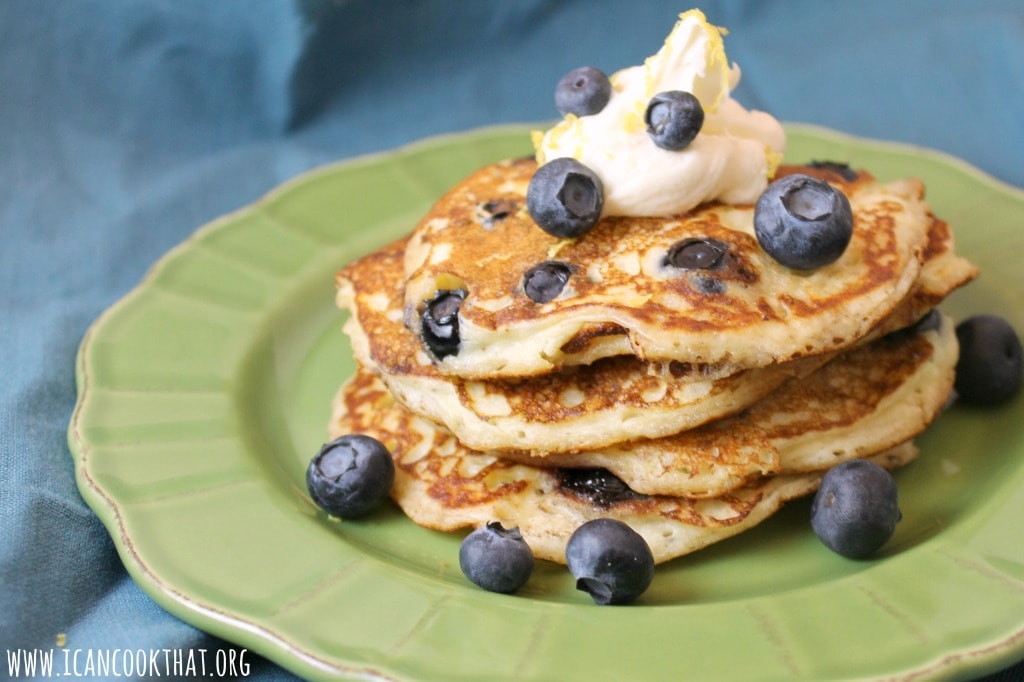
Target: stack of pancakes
column 679, row 380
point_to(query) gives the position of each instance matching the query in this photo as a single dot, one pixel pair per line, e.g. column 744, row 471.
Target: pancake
column 863, row 402
column 615, row 399
column 584, row 407
column 623, row 297
column 442, row 485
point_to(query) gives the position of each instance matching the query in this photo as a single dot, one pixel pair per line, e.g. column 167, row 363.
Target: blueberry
column 856, row 509
column 583, row 91
column 697, row 254
column 544, row 282
column 707, row 284
column 595, row 485
column 494, row 211
column 565, row 198
column 988, row 371
column 441, row 322
column 351, row 476
column 931, row 321
column 673, row 119
column 803, row 223
column 496, row 559
column 842, row 169
column 610, row 561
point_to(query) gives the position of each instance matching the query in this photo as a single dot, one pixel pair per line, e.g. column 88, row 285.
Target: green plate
column 204, row 393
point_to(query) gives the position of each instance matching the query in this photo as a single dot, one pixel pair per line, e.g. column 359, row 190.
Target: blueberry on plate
column 856, row 508
column 802, row 222
column 440, row 328
column 988, row 371
column 545, row 281
column 673, row 119
column 565, row 198
column 496, row 559
column 350, row 476
column 583, row 91
column 610, row 561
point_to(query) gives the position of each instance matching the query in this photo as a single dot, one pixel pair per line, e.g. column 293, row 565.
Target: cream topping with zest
column 730, row 160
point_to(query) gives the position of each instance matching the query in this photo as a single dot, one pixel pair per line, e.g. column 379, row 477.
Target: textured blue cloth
column 124, row 126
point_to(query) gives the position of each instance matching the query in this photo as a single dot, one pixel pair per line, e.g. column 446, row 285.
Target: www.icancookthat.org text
column 70, row 662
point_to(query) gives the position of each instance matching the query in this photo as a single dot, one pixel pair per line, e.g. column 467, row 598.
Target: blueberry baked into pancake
column 657, row 329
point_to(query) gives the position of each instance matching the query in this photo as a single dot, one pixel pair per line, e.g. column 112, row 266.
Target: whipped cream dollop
column 730, row 160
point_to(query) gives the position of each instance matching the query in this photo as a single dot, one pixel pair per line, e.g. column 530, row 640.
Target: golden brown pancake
column 613, row 400
column 582, row 407
column 866, row 400
column 440, row 484
column 623, row 296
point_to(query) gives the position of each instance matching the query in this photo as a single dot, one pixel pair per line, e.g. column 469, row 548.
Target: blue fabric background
column 124, row 126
